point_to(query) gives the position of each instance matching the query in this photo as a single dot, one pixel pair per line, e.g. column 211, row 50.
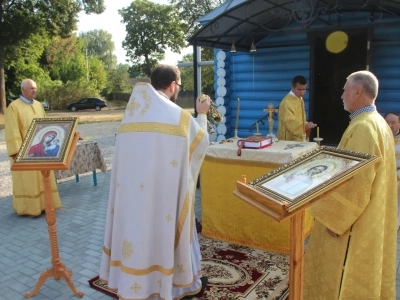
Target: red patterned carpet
column 236, row 272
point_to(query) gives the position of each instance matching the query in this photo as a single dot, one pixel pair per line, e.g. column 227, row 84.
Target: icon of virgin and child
column 48, row 146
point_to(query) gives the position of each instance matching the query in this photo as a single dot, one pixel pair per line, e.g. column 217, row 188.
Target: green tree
column 99, row 43
column 207, row 73
column 118, row 80
column 22, row 61
column 97, row 74
column 20, row 19
column 190, row 11
column 64, row 60
column 151, row 29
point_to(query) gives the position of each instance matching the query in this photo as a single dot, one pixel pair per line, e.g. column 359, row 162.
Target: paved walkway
column 25, row 250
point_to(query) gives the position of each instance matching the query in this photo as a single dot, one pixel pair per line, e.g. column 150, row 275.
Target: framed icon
column 47, row 142
column 294, row 184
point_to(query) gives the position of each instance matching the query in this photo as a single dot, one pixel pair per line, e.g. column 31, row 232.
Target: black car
column 87, row 103
column 8, row 101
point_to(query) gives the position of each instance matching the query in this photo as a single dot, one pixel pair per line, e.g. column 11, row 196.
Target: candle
column 317, row 132
column 237, row 113
column 257, row 126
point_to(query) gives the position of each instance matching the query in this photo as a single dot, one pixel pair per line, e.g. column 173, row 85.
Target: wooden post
column 296, row 256
column 58, row 269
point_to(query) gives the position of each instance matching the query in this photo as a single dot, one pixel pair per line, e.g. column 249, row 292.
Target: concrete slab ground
column 25, row 250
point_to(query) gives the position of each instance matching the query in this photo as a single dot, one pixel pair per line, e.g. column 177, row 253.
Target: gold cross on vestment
column 181, row 269
column 270, row 111
column 136, row 287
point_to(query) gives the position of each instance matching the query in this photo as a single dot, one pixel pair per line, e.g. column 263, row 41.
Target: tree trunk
column 148, row 65
column 2, row 82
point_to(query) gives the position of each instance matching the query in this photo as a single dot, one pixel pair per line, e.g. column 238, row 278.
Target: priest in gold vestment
column 28, row 186
column 292, row 123
column 151, row 249
column 352, row 249
column 393, row 120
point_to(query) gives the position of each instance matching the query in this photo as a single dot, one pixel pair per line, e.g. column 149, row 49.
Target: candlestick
column 317, row 132
column 257, row 126
column 237, row 113
column 318, row 141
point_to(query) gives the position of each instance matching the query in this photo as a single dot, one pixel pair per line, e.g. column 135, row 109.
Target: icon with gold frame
column 48, row 143
column 286, row 190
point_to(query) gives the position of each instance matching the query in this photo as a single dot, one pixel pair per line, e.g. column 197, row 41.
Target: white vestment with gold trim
column 151, row 249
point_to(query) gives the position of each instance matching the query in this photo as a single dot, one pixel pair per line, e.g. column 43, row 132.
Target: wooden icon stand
column 58, row 269
column 263, row 194
column 296, row 263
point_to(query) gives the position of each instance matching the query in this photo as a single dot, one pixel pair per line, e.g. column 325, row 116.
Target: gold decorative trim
column 146, row 99
column 143, row 83
column 152, row 296
column 178, row 130
column 361, row 161
column 127, row 249
column 183, row 286
column 192, row 215
column 196, row 142
column 181, row 220
column 106, row 251
column 141, row 272
column 132, row 106
column 38, row 124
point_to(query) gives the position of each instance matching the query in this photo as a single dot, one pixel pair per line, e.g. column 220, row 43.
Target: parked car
column 87, row 103
column 46, row 106
column 8, row 101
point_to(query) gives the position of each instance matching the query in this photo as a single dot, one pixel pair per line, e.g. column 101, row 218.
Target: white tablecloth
column 280, row 152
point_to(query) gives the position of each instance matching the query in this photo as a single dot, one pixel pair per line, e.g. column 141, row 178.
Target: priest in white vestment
column 151, row 249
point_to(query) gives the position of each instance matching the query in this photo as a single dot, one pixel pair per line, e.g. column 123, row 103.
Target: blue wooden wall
column 264, row 77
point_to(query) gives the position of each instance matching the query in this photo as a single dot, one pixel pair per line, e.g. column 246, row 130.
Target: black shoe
column 204, row 281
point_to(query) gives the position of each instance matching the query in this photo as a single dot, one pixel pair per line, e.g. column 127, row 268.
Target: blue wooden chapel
column 260, row 46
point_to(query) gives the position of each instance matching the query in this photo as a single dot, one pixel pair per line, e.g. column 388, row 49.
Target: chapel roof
column 245, row 21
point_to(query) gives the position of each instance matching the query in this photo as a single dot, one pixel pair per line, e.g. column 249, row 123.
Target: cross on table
column 270, row 111
column 290, row 146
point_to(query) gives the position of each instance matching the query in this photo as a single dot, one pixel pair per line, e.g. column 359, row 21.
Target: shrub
column 59, row 95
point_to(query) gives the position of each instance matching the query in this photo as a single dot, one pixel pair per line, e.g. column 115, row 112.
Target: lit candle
column 237, row 113
column 257, row 126
column 317, row 132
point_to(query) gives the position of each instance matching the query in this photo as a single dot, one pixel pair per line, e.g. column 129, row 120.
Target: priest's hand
column 310, row 125
column 202, row 106
column 331, row 233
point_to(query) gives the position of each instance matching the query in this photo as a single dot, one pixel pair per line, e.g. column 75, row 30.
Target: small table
column 87, row 158
column 226, row 217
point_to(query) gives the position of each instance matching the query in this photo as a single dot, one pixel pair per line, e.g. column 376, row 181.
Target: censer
column 213, row 114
